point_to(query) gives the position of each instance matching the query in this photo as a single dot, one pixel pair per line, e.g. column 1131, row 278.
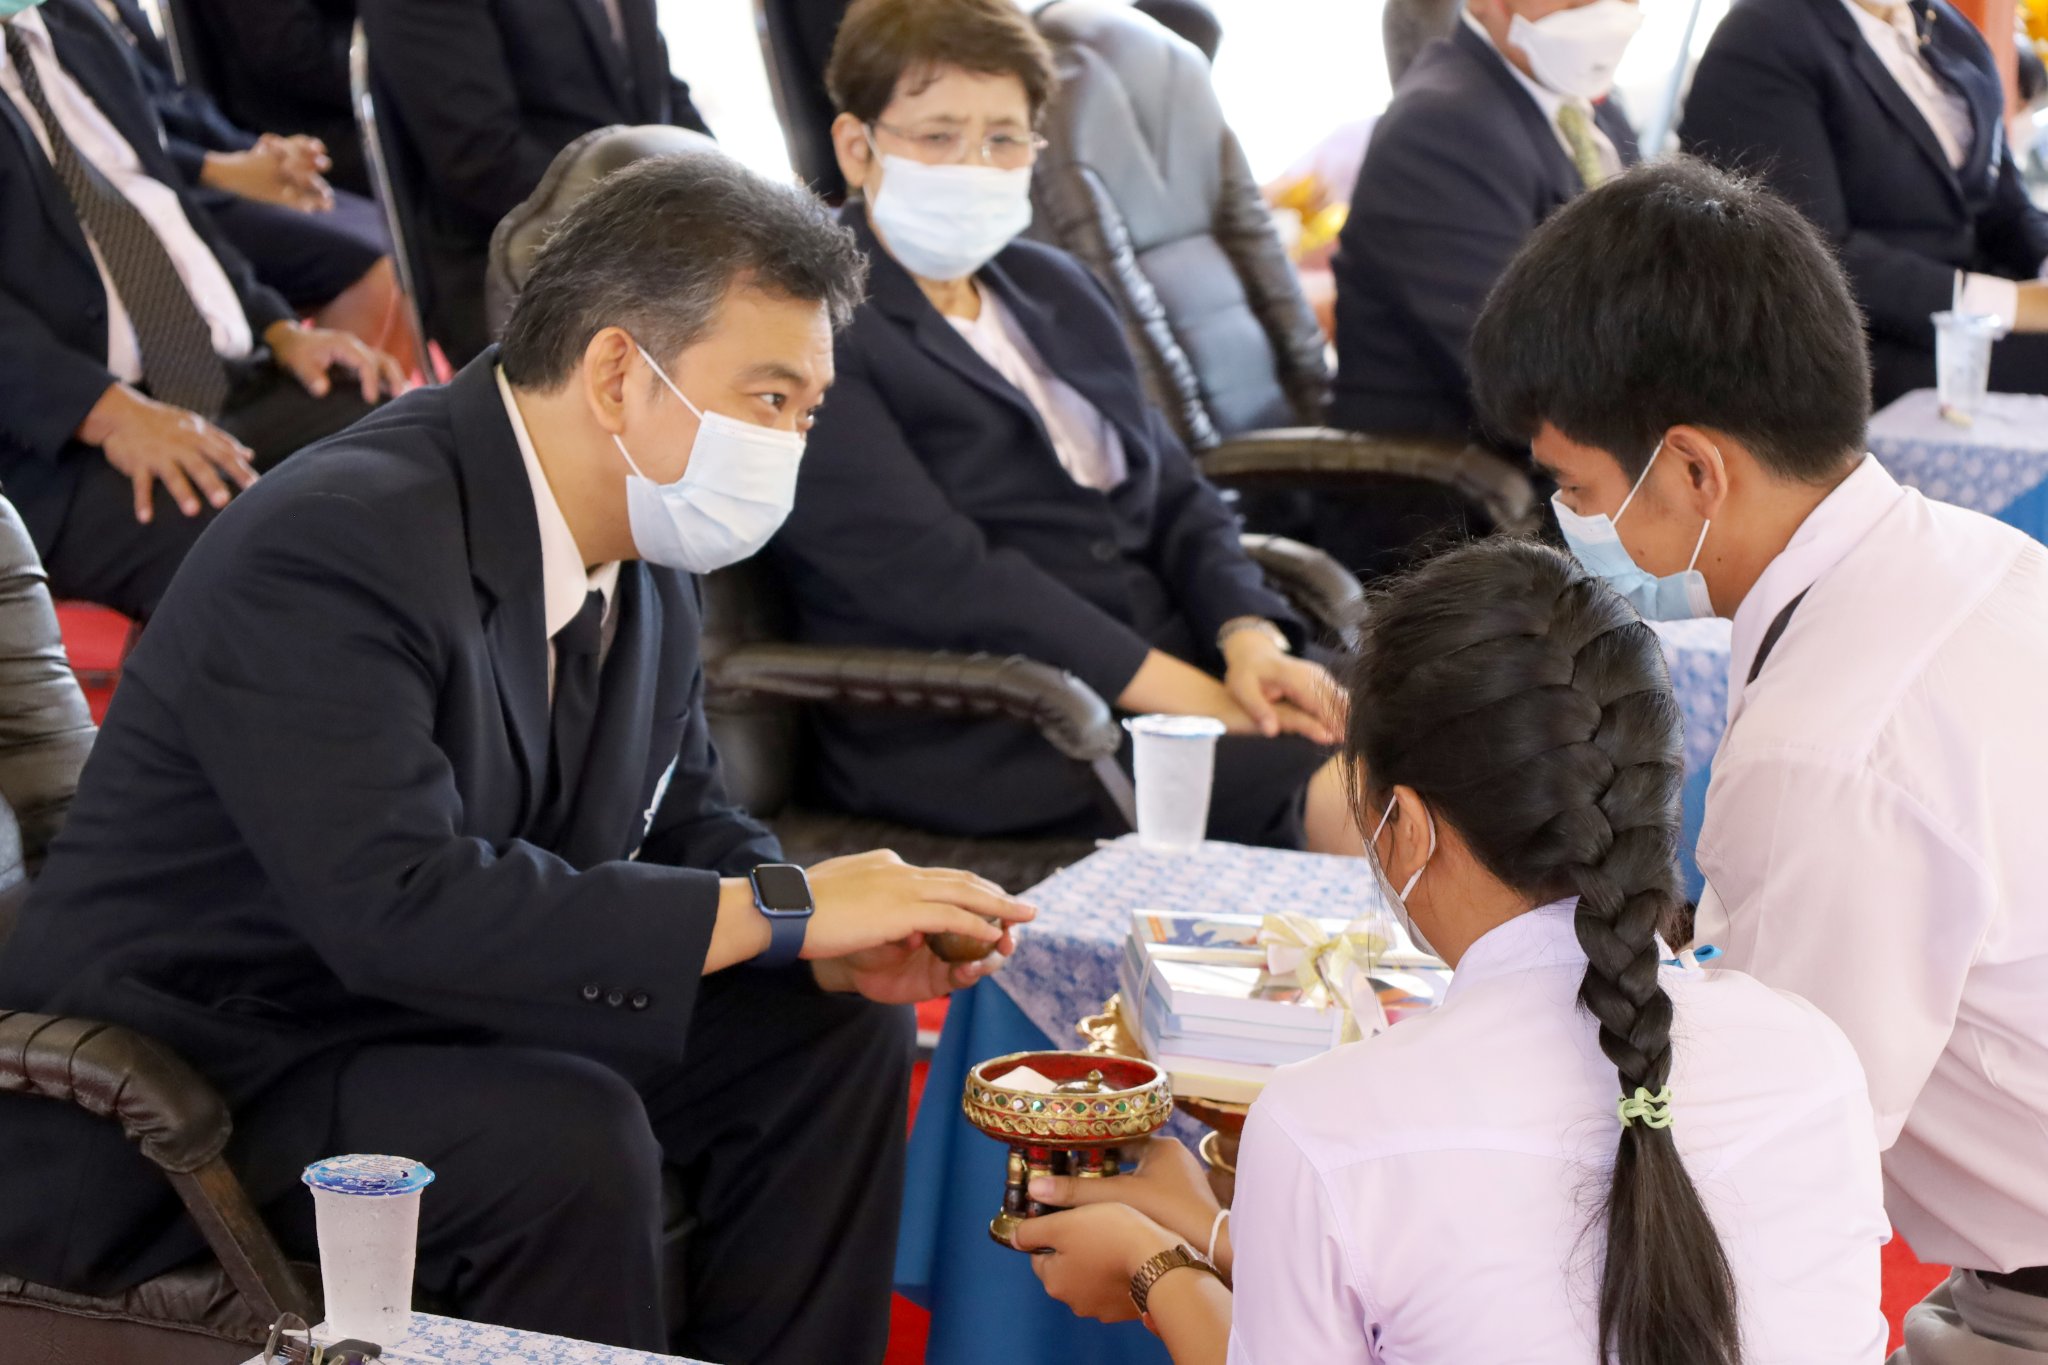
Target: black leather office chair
column 1145, row 182
column 393, row 173
column 796, row 43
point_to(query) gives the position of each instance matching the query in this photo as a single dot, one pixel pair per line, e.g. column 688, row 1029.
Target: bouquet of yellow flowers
column 2034, row 20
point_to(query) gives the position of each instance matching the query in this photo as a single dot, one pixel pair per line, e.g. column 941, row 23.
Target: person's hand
column 277, row 170
column 1282, row 694
column 1170, row 1187
column 309, row 352
column 154, row 443
column 907, row 972
column 1086, row 1256
column 2031, row 312
column 869, row 901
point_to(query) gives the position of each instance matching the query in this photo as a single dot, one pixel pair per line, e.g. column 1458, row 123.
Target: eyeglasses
column 949, row 147
column 291, row 1343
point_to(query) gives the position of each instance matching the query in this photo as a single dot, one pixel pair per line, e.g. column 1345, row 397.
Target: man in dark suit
column 1885, row 126
column 281, row 65
column 1475, row 150
column 406, row 830
column 129, row 327
column 481, row 94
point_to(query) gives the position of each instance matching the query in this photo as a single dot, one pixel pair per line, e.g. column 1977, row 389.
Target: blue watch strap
column 786, row 940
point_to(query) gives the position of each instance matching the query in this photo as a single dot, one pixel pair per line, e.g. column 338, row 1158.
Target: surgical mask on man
column 946, row 222
column 1597, row 544
column 1399, row 899
column 10, row 8
column 735, row 494
column 1575, row 51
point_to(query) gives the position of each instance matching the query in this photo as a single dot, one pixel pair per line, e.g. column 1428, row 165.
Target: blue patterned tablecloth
column 1998, row 465
column 447, row 1341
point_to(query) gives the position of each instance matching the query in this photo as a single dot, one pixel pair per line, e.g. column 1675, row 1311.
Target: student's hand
column 309, row 352
column 871, row 901
column 1170, row 1187
column 1282, row 694
column 154, row 443
column 907, row 973
column 1087, row 1256
column 277, row 170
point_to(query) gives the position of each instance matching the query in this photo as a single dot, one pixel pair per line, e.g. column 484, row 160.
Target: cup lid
column 1176, row 727
column 1976, row 322
column 364, row 1174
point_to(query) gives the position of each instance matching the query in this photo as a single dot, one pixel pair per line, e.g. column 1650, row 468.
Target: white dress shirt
column 1896, row 42
column 1549, row 102
column 1876, row 839
column 101, row 144
column 564, row 581
column 1431, row 1196
column 1086, row 442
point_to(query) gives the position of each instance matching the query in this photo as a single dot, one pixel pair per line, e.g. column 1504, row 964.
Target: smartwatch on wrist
column 783, row 896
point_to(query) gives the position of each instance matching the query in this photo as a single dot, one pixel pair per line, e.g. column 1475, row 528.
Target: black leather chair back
column 762, row 741
column 1146, row 183
column 796, row 43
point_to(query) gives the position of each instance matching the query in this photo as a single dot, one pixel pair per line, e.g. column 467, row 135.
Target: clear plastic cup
column 1175, row 759
column 368, row 1212
column 1962, row 360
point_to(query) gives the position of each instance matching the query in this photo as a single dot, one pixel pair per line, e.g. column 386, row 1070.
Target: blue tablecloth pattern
column 449, row 1341
column 1998, row 465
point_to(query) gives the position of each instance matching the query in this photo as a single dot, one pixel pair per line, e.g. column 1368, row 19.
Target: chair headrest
column 575, row 169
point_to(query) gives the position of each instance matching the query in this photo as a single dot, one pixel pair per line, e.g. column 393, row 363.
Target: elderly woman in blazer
column 989, row 475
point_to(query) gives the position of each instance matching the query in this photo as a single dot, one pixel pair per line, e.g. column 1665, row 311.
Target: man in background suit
column 482, row 94
column 1884, row 124
column 1491, row 130
column 406, row 830
column 137, row 347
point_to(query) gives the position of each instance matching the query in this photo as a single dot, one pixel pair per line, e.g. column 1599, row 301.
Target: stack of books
column 1198, row 995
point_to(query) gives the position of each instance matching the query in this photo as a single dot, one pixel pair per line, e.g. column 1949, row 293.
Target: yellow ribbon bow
column 1332, row 966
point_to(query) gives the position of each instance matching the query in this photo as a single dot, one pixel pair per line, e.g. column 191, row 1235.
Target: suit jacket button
column 1105, row 551
column 592, row 992
column 640, row 1000
column 615, row 997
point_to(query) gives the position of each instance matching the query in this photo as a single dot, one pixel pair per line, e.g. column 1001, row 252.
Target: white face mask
column 734, row 495
column 1399, row 899
column 1596, row 541
column 1575, row 51
column 946, row 222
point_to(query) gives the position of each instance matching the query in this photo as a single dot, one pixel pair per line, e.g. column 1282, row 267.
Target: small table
column 1998, row 465
column 449, row 1341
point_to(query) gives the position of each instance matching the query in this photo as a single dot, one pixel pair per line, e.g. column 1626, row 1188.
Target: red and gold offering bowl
column 1068, row 1123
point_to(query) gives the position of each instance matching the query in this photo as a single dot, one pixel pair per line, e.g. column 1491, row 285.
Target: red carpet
column 95, row 639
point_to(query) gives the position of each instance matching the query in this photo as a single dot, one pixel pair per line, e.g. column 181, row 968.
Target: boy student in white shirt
column 1686, row 357
column 1589, row 1152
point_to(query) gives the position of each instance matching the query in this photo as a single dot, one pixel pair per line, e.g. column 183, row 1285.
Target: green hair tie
column 1653, row 1110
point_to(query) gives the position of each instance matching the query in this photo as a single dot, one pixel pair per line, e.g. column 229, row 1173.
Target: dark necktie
column 178, row 360
column 579, row 647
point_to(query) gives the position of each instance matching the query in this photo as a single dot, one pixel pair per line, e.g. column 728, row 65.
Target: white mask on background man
column 735, row 494
column 1575, row 51
column 946, row 222
column 1399, row 899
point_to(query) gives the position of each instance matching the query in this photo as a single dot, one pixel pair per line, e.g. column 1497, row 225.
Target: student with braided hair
column 1590, row 1152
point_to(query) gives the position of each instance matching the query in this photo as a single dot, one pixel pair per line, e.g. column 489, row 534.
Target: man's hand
column 1088, row 1256
column 1282, row 694
column 1169, row 1187
column 154, row 443
column 871, row 901
column 906, row 973
column 277, row 170
column 309, row 352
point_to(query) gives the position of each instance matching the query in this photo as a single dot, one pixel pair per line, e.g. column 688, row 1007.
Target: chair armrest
column 178, row 1120
column 1328, row 456
column 1069, row 713
column 1323, row 590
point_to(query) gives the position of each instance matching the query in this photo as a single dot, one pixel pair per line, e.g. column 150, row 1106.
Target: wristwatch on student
column 1237, row 625
column 783, row 895
column 1153, row 1270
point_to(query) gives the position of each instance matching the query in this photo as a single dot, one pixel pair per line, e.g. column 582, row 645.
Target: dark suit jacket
column 1461, row 168
column 932, row 513
column 1789, row 90
column 53, row 308
column 483, row 93
column 281, row 66
column 313, row 817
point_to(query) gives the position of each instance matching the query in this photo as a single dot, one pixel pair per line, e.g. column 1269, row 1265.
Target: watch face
column 782, row 889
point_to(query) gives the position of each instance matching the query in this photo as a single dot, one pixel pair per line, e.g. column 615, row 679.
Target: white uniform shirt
column 1549, row 101
column 1424, row 1197
column 1876, row 839
column 101, row 144
column 564, row 581
column 1086, row 442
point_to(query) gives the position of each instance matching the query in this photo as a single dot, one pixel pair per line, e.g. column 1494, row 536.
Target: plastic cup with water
column 368, row 1212
column 1962, row 361
column 1175, row 759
